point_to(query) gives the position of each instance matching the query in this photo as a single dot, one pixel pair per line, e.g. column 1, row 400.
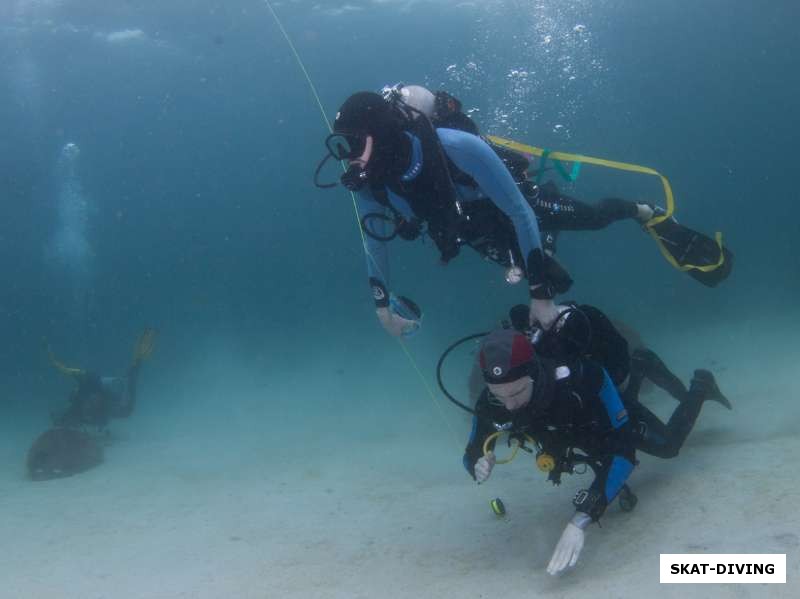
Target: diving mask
column 354, row 147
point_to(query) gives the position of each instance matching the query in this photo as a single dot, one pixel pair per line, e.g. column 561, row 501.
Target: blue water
column 198, row 138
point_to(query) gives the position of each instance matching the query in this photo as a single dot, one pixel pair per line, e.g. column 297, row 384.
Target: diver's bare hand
column 483, row 467
column 543, row 312
column 393, row 324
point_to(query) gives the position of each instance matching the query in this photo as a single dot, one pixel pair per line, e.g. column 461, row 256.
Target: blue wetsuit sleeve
column 476, row 158
column 617, row 414
column 375, row 250
column 621, row 464
column 618, row 464
column 470, row 453
column 611, row 477
column 481, row 429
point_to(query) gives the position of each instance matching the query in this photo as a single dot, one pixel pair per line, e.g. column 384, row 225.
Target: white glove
column 569, row 545
column 544, row 312
column 483, row 467
column 395, row 325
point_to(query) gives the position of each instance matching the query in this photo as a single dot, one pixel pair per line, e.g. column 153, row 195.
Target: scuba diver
column 563, row 407
column 706, row 259
column 585, row 332
column 423, row 183
column 555, row 212
column 96, row 399
column 445, row 183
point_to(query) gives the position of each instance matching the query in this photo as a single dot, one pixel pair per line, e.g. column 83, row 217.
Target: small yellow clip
column 545, row 462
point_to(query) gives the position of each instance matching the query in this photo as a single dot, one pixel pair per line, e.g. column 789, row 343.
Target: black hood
column 367, row 113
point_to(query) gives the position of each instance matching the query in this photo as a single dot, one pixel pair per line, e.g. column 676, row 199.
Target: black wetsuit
column 96, row 400
column 557, row 212
column 491, row 233
column 587, row 412
column 628, row 370
column 584, row 412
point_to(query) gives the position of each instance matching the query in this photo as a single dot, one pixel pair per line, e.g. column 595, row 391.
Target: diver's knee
column 642, row 354
column 670, row 452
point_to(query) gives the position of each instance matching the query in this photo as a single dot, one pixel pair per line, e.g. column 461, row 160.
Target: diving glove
column 569, row 545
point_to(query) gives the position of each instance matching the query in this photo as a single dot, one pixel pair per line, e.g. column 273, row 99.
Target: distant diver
column 97, row 399
column 566, row 409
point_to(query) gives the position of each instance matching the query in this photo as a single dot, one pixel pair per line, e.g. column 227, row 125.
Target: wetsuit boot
column 703, row 387
column 704, row 383
column 665, row 440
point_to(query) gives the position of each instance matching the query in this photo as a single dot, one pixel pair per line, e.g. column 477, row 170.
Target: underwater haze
column 156, row 170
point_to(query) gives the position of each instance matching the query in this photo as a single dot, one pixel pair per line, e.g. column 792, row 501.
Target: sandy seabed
column 246, row 503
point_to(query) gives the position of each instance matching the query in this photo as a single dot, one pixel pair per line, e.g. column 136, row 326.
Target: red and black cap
column 506, row 355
